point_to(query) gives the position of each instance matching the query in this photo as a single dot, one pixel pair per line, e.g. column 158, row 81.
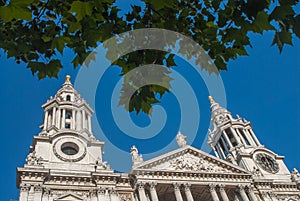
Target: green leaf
column 74, row 27
column 17, row 9
column 282, row 38
column 159, row 4
column 46, row 38
column 210, row 24
column 170, row 60
column 280, row 12
column 297, row 26
column 285, row 37
column 50, row 69
column 59, row 43
column 261, row 23
column 81, row 9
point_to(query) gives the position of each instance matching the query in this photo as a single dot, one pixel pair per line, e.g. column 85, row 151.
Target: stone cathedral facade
column 65, row 163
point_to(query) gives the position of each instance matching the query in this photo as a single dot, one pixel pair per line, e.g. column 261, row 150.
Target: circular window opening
column 69, row 148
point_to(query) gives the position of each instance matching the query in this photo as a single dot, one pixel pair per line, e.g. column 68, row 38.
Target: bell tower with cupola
column 234, row 140
column 65, row 160
column 67, row 111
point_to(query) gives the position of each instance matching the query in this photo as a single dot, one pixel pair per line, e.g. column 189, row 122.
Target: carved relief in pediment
column 190, row 162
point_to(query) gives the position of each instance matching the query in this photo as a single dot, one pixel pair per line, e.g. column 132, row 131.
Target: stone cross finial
column 181, row 139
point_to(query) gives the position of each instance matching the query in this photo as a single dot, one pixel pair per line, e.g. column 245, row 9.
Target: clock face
column 267, row 163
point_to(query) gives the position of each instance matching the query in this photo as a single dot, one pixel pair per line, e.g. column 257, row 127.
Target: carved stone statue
column 102, row 165
column 295, row 175
column 136, row 158
column 181, row 139
column 32, row 159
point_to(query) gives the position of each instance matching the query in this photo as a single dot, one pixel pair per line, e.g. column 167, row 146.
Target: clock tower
column 234, row 140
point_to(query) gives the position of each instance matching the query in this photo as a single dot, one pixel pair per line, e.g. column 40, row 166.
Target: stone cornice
column 191, row 176
column 31, row 174
column 67, row 104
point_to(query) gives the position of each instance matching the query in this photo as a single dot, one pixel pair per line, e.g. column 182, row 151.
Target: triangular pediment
column 69, row 197
column 188, row 159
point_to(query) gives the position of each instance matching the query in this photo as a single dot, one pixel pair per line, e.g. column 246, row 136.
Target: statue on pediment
column 135, row 156
column 32, row 159
column 181, row 139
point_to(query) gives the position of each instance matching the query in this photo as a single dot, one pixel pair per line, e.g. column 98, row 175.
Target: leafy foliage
column 37, row 32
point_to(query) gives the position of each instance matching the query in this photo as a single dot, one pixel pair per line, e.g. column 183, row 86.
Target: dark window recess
column 231, row 137
column 223, row 148
column 224, row 140
column 244, row 136
column 68, row 98
column 68, row 116
column 68, row 126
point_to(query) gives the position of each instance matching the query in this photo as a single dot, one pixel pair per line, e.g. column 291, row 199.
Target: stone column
column 188, row 193
column 46, row 194
column 221, row 150
column 101, row 194
column 227, row 139
column 73, row 120
column 216, row 153
column 237, row 138
column 83, row 119
column 141, row 190
column 58, row 118
column 251, row 193
column 90, row 123
column 236, row 198
column 223, row 193
column 78, row 121
column 53, row 116
column 242, row 192
column 24, row 189
column 225, row 146
column 38, row 192
column 254, row 137
column 63, row 119
column 177, row 192
column 136, row 197
column 249, row 137
column 242, row 138
column 45, row 120
column 153, row 192
column 214, row 195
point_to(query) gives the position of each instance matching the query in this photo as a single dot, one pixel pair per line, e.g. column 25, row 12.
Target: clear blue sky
column 263, row 88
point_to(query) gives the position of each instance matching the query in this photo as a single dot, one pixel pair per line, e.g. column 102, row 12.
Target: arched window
column 68, row 98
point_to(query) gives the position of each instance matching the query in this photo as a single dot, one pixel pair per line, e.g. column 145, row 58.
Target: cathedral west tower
column 65, row 160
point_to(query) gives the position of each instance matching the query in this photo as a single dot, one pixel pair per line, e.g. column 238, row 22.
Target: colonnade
column 232, row 137
column 75, row 118
column 245, row 192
